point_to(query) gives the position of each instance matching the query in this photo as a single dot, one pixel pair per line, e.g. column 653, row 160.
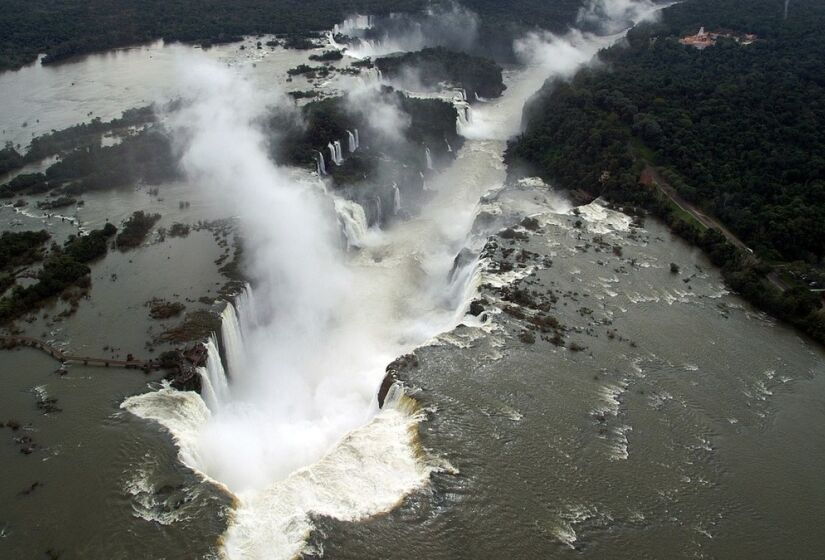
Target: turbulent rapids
column 288, row 420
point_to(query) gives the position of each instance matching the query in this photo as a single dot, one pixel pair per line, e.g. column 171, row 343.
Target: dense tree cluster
column 433, row 66
column 21, row 248
column 66, row 28
column 85, row 164
column 135, row 229
column 10, row 159
column 65, row 267
column 739, row 131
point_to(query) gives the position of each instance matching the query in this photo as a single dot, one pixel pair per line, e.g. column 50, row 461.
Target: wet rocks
column 27, row 445
column 531, row 224
column 197, row 325
column 182, row 367
column 476, row 307
column 510, row 233
column 400, row 364
column 162, row 309
column 47, row 405
column 34, row 486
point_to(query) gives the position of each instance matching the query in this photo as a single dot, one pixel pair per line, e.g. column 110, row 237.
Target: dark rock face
column 462, row 259
column 182, row 365
column 402, row 363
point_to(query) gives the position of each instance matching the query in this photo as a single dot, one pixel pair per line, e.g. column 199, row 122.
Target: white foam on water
column 619, row 445
column 370, row 471
column 603, row 220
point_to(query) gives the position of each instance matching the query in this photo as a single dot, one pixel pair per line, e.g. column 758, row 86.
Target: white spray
column 396, row 198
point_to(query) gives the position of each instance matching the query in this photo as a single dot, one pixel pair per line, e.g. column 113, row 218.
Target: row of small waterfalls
column 336, row 152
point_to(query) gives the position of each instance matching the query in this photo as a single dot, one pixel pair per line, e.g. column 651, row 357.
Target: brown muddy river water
column 677, row 422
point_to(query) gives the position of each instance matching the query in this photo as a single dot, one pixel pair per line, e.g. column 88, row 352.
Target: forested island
column 474, row 74
column 732, row 131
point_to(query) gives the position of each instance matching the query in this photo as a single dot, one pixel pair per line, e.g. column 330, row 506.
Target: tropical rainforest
column 738, row 130
column 64, row 28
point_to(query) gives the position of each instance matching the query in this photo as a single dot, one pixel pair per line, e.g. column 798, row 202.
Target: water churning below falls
column 288, row 421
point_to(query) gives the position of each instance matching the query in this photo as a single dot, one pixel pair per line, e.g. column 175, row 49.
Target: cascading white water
column 449, row 148
column 428, row 157
column 379, row 211
column 396, row 198
column 321, row 166
column 357, row 139
column 353, row 221
column 332, row 154
column 232, row 339
column 297, row 432
column 354, row 23
column 339, row 155
column 215, row 386
column 353, row 145
column 463, row 120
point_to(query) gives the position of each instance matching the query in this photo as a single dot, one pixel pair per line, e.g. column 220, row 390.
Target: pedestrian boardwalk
column 63, row 358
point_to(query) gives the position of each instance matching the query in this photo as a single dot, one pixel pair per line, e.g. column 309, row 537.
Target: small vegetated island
column 713, row 119
column 476, row 75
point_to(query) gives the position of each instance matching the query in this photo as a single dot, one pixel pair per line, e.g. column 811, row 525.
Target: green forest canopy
column 64, row 28
column 743, row 126
column 738, row 130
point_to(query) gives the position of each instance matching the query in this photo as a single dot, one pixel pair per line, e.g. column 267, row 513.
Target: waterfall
column 353, row 144
column 213, row 377
column 396, row 198
column 463, row 110
column 449, row 148
column 428, row 157
column 354, row 23
column 357, row 139
column 379, row 211
column 321, row 166
column 232, row 339
column 335, row 152
column 464, row 95
column 353, row 221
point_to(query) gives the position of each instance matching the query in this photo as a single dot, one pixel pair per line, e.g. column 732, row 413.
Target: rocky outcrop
column 407, row 361
column 182, row 367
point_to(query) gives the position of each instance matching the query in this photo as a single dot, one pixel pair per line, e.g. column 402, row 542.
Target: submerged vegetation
column 64, row 271
column 735, row 131
column 143, row 154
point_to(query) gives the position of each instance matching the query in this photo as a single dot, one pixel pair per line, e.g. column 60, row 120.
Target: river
column 681, row 423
